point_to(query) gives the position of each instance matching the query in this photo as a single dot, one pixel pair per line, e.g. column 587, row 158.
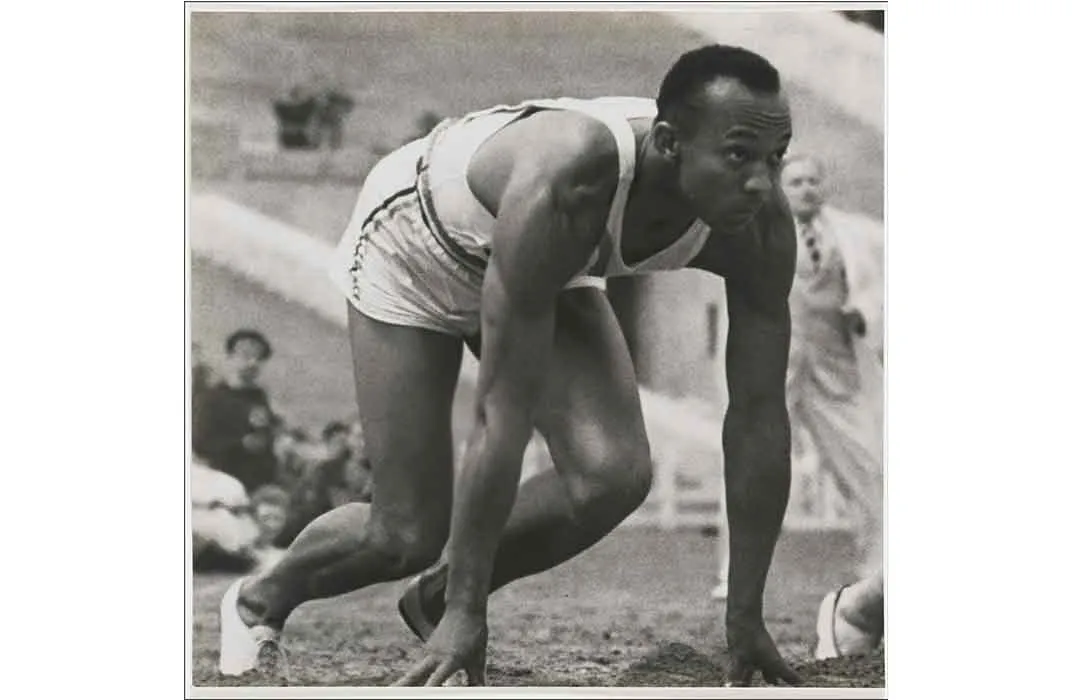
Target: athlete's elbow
column 756, row 443
column 502, row 428
column 757, row 414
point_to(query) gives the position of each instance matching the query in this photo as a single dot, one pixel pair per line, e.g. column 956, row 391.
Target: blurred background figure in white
column 224, row 531
column 834, row 383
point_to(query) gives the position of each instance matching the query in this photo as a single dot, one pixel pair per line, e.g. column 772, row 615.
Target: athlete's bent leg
column 405, row 380
column 593, row 423
column 594, row 427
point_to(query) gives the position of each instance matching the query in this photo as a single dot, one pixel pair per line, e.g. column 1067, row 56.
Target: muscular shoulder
column 575, row 149
column 570, row 155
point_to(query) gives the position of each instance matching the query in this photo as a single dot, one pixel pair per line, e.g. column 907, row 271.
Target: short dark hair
column 249, row 334
column 334, row 428
column 696, row 69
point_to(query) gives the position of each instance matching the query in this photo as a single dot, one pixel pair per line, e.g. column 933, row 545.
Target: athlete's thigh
column 405, row 379
column 590, row 414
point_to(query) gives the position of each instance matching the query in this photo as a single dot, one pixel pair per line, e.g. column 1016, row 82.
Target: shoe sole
column 409, row 608
column 826, row 646
column 229, row 600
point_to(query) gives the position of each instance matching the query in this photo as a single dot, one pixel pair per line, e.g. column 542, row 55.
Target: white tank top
column 468, row 224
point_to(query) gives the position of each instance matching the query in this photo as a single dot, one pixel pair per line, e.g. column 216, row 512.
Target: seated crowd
column 256, row 481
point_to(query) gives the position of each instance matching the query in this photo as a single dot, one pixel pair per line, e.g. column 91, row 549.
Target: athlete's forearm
column 484, row 495
column 756, row 446
column 517, row 345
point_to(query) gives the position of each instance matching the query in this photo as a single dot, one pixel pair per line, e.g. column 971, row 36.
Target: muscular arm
column 756, row 442
column 549, row 218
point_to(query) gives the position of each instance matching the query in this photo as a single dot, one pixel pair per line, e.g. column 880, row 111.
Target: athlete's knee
column 408, row 546
column 617, row 473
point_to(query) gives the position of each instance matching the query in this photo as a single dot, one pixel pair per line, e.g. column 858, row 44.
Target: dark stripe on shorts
column 358, row 255
column 383, row 205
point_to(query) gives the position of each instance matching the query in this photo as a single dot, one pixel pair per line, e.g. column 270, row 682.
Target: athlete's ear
column 665, row 138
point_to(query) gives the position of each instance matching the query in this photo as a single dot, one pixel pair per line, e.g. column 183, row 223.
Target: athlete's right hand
column 459, row 643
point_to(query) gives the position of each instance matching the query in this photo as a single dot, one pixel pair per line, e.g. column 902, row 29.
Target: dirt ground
column 634, row 611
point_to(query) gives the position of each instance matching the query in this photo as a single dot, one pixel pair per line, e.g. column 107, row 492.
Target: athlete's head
column 247, row 351
column 803, row 181
column 724, row 125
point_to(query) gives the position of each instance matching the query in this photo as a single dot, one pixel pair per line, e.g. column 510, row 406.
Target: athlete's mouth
column 742, row 216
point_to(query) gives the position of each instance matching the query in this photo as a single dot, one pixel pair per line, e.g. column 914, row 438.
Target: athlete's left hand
column 460, row 643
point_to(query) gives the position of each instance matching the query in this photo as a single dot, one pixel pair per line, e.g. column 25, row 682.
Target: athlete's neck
column 654, row 189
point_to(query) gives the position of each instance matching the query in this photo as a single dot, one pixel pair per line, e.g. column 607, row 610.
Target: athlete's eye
column 737, row 155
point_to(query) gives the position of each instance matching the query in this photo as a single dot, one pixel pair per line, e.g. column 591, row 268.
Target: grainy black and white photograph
column 537, row 347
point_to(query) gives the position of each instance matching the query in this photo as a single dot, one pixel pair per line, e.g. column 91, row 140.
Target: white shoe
column 240, row 645
column 837, row 636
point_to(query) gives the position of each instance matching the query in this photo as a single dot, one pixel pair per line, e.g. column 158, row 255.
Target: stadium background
column 397, row 67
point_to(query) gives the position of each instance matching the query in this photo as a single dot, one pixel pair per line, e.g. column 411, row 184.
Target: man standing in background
column 835, row 388
column 233, row 421
column 834, row 383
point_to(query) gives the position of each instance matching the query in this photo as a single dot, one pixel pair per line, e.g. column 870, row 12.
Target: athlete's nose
column 759, row 181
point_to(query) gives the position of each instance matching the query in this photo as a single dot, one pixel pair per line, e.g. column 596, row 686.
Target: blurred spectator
column 341, row 475
column 337, row 453
column 358, row 474
column 203, row 376
column 233, row 421
column 333, row 106
column 296, row 115
column 292, row 449
column 271, row 510
column 835, row 302
column 224, row 531
column 358, row 478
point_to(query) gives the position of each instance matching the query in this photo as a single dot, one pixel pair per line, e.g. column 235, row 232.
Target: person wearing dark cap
column 233, row 420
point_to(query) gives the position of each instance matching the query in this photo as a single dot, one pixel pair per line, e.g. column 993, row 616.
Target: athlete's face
column 802, row 182
column 730, row 166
